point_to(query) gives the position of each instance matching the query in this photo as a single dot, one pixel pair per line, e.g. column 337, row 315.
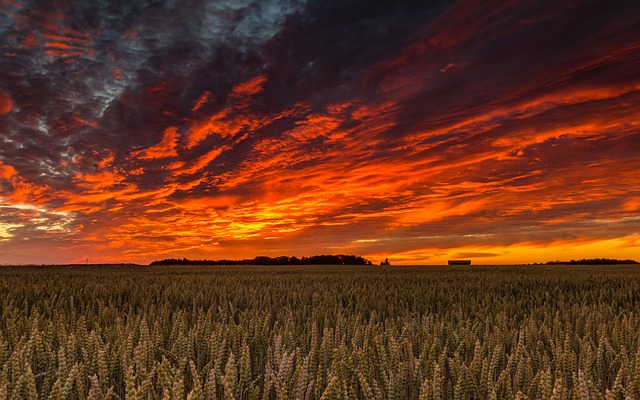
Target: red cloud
column 166, row 147
column 6, row 103
column 6, row 171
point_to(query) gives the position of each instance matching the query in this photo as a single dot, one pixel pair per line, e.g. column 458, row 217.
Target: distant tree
column 593, row 261
column 283, row 260
column 385, row 262
column 294, row 260
column 264, row 260
column 330, row 259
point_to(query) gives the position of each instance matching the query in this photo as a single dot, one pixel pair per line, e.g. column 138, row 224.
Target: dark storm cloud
column 91, row 76
column 512, row 53
column 86, row 74
column 322, row 52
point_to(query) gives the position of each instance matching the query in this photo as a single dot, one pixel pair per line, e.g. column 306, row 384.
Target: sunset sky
column 500, row 131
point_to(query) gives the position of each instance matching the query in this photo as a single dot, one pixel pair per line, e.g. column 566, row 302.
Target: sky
column 498, row 131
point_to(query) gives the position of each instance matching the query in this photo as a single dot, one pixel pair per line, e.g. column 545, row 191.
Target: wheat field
column 322, row 332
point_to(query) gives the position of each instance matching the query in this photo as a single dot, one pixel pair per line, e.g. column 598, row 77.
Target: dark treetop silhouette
column 339, row 259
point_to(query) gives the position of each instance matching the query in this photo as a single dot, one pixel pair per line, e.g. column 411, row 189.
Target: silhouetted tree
column 340, row 259
column 594, row 261
column 294, row 260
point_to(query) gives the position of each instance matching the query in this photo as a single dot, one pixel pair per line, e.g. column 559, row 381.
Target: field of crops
column 322, row 332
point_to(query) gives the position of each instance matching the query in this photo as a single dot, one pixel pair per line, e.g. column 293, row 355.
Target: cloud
column 476, row 255
column 418, row 131
column 6, row 171
column 6, row 103
column 166, row 147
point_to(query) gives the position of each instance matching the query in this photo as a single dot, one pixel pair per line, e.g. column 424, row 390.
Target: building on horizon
column 459, row 262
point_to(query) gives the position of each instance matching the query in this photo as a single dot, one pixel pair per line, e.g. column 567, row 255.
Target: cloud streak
column 504, row 132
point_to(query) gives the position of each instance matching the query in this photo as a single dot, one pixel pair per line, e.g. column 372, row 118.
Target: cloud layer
column 504, row 131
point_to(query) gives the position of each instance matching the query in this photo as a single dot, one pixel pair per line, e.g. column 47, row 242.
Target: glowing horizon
column 503, row 132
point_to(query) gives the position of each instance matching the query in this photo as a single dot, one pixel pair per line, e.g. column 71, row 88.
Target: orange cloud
column 64, row 38
column 166, row 147
column 249, row 88
column 6, row 103
column 25, row 192
column 230, row 121
column 6, row 171
column 62, row 46
column 221, row 124
column 202, row 100
column 196, row 165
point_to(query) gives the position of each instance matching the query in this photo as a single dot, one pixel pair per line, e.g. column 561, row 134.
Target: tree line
column 593, row 261
column 331, row 259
